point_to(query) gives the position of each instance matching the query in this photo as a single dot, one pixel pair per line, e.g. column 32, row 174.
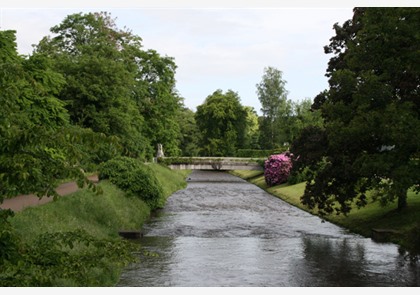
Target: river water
column 222, row 231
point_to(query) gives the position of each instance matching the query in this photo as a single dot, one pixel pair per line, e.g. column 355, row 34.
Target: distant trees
column 189, row 135
column 275, row 108
column 371, row 135
column 225, row 126
column 221, row 120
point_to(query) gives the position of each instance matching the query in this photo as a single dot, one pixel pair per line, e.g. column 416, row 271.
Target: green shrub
column 299, row 176
column 114, row 168
column 134, row 177
column 64, row 259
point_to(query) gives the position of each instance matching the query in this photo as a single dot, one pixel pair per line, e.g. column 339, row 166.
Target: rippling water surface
column 222, row 231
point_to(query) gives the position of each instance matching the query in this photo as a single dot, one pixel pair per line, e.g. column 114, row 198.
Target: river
column 222, row 231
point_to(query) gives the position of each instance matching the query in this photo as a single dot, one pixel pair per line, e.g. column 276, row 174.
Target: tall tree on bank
column 38, row 147
column 112, row 85
column 94, row 57
column 371, row 110
column 275, row 108
column 158, row 100
column 221, row 120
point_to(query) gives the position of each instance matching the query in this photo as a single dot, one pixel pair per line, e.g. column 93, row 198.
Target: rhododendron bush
column 277, row 168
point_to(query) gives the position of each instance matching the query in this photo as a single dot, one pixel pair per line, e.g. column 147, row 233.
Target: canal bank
column 83, row 216
column 382, row 223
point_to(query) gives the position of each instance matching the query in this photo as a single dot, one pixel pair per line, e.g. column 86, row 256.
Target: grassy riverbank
column 404, row 226
column 99, row 215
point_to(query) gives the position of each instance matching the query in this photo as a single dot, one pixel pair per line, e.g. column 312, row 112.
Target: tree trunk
column 402, row 199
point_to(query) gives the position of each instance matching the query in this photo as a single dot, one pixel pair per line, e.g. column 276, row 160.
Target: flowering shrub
column 277, row 168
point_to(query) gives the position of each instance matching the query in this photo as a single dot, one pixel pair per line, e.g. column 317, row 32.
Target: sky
column 215, row 44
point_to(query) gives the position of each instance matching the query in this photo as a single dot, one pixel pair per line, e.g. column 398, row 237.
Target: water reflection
column 231, row 233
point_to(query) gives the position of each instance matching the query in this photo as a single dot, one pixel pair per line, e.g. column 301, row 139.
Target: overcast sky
column 216, row 45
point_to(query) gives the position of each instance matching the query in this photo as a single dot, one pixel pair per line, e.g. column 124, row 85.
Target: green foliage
column 36, row 243
column 189, row 135
column 8, row 239
column 100, row 215
column 299, row 176
column 171, row 180
column 64, row 259
column 221, row 120
column 371, row 112
column 303, row 116
column 35, row 151
column 134, row 177
column 159, row 103
column 47, row 253
column 276, row 109
column 252, row 132
column 96, row 59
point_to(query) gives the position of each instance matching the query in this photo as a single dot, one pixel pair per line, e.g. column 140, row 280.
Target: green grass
column 360, row 221
column 171, row 180
column 100, row 215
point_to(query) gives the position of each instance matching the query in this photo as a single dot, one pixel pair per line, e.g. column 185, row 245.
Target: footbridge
column 212, row 163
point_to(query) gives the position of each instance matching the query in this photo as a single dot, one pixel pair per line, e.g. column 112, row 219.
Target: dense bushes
column 134, row 177
column 64, row 259
column 277, row 168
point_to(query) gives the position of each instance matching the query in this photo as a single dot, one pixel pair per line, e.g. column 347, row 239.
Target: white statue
column 160, row 151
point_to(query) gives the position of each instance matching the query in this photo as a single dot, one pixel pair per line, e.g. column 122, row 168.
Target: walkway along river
column 222, row 231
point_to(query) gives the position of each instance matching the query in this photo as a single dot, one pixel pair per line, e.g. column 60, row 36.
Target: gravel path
column 18, row 203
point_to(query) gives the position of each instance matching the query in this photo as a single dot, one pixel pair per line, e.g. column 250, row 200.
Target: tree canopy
column 85, row 95
column 275, row 107
column 221, row 120
column 113, row 86
column 35, row 145
column 371, row 133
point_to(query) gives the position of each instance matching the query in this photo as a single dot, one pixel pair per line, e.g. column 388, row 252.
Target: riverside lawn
column 360, row 221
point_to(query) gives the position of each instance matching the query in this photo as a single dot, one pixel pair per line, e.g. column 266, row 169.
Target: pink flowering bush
column 277, row 168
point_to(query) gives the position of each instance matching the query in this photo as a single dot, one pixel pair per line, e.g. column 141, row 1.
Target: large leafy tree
column 275, row 108
column 221, row 120
column 158, row 100
column 371, row 139
column 37, row 144
column 97, row 61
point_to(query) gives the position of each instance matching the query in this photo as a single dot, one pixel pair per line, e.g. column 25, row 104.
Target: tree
column 221, row 120
column 189, row 135
column 159, row 103
column 303, row 115
column 371, row 112
column 96, row 59
column 251, row 129
column 275, row 107
column 36, row 140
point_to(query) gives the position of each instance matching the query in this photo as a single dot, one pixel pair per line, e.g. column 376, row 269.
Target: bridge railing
column 214, row 163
